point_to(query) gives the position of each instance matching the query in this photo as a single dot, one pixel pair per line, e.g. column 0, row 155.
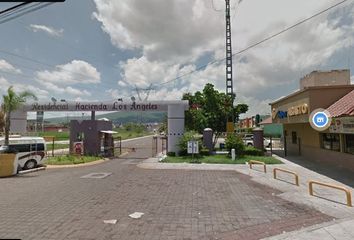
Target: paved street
column 177, row 204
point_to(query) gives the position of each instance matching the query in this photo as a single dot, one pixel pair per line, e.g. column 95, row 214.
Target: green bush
column 171, row 154
column 204, row 152
column 183, row 142
column 233, row 141
column 253, row 151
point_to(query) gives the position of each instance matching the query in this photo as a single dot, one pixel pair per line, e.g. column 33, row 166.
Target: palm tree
column 11, row 102
column 2, row 120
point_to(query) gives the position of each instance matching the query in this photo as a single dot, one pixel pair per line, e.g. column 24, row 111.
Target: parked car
column 31, row 151
column 248, row 141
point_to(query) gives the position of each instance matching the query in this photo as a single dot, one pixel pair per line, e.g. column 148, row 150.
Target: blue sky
column 102, row 49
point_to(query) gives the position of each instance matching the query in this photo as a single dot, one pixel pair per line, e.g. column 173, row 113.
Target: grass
column 223, row 159
column 125, row 134
column 70, row 160
column 59, row 136
column 56, row 146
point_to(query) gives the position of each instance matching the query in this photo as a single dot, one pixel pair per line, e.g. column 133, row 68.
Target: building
column 250, row 122
column 327, row 90
column 271, row 129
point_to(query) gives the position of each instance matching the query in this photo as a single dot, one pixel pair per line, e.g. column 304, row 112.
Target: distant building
column 270, row 128
column 250, row 122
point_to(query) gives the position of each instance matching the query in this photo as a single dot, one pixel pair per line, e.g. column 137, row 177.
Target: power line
column 257, row 43
column 14, row 7
column 25, row 12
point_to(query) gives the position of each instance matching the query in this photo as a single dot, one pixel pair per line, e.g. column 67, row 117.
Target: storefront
column 334, row 145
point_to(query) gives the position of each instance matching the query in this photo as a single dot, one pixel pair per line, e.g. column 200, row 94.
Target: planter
column 8, row 164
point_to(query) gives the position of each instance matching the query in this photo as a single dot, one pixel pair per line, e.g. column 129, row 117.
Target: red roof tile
column 266, row 121
column 344, row 106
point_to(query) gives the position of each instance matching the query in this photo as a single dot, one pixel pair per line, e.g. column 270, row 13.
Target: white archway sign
column 175, row 113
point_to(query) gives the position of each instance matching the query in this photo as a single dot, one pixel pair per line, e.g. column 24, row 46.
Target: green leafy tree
column 211, row 108
column 11, row 102
column 234, row 142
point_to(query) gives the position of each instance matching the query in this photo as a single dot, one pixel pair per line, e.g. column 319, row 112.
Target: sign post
column 193, row 148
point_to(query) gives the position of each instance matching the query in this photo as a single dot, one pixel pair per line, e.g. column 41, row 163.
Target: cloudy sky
column 104, row 49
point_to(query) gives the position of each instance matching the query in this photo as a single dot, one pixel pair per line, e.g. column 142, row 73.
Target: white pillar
column 175, row 126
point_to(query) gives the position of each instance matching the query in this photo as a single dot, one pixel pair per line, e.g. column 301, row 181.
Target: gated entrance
column 175, row 114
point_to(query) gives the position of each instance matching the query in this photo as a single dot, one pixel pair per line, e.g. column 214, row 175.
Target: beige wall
column 334, row 77
column 320, row 97
column 325, row 97
column 310, row 147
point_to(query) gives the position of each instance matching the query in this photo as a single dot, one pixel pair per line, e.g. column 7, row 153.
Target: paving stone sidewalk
column 177, row 204
column 328, row 201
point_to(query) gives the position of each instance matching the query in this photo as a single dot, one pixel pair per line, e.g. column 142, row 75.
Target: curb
column 99, row 161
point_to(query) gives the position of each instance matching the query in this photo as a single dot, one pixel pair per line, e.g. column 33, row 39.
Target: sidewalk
column 328, row 201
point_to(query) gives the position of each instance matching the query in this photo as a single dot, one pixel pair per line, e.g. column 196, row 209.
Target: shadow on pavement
column 339, row 174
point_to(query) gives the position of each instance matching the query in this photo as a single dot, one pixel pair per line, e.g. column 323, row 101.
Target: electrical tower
column 229, row 87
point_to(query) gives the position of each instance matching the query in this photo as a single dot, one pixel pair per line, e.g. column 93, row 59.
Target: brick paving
column 177, row 204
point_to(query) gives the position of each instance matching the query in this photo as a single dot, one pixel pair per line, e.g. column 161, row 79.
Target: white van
column 31, row 151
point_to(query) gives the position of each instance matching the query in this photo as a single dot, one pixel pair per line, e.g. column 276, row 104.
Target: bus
column 31, row 151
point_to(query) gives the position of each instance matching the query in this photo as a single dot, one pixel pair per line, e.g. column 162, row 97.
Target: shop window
column 294, row 137
column 349, row 143
column 330, row 141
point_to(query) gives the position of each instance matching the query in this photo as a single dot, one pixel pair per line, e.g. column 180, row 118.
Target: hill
column 117, row 117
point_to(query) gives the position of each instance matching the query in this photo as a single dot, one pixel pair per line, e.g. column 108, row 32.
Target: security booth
column 89, row 134
column 107, row 143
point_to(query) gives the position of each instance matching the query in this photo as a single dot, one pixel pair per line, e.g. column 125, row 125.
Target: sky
column 104, row 49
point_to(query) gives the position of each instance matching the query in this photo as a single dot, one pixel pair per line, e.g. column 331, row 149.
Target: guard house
column 94, row 134
column 175, row 114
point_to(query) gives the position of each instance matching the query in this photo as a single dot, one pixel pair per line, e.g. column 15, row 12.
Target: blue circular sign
column 320, row 119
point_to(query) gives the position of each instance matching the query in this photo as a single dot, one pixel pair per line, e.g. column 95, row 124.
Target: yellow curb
column 82, row 164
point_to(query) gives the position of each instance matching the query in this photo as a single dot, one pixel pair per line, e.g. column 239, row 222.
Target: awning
column 343, row 107
column 108, row 131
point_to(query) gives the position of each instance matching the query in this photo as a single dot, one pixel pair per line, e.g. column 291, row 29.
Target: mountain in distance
column 116, row 117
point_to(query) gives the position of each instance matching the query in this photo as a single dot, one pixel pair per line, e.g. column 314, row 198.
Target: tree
column 211, row 108
column 11, row 102
column 2, row 120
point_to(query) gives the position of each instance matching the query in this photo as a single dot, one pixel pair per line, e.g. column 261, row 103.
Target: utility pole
column 229, row 85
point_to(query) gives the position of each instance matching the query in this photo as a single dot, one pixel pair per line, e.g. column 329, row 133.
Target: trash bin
column 8, row 164
column 222, row 145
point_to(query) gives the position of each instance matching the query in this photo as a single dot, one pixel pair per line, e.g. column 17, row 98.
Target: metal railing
column 347, row 191
column 251, row 162
column 286, row 171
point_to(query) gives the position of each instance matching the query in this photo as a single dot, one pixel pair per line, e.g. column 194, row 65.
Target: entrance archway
column 175, row 113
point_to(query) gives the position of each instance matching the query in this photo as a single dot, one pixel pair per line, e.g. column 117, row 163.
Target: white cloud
column 168, row 30
column 58, row 90
column 19, row 87
column 77, row 71
column 7, row 67
column 173, row 35
column 49, row 30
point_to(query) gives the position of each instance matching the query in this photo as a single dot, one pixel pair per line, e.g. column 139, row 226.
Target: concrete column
column 93, row 114
column 18, row 122
column 175, row 118
column 258, row 138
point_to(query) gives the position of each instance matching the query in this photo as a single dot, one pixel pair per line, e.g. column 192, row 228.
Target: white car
column 31, row 151
column 249, row 141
